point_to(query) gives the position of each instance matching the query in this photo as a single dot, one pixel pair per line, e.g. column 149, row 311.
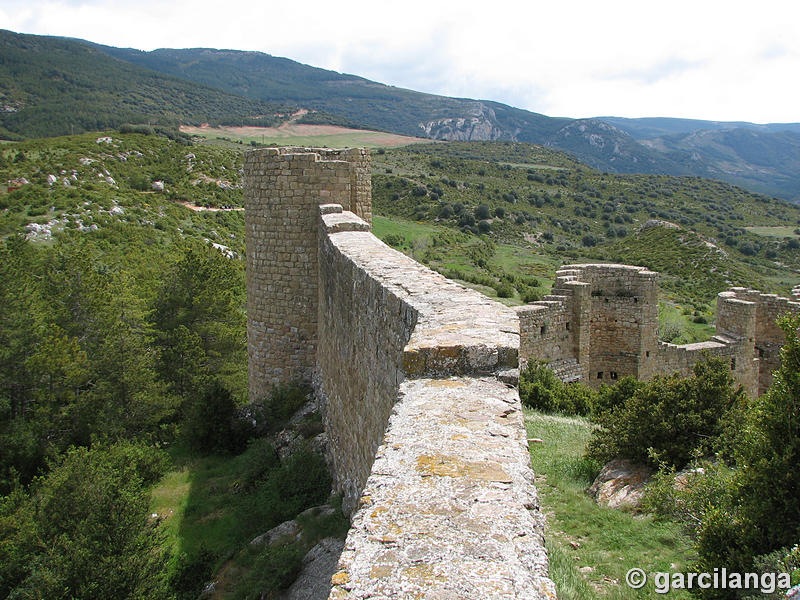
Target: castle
column 416, row 376
column 600, row 323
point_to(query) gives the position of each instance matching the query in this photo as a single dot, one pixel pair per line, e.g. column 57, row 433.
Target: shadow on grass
column 214, row 506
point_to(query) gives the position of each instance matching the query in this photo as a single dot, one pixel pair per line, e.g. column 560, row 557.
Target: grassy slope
column 551, row 216
column 581, row 533
column 549, row 205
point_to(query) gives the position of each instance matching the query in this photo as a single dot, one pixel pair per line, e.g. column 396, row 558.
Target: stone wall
column 383, row 318
column 601, row 323
column 750, row 315
column 284, row 188
column 449, row 509
column 363, row 329
column 410, row 368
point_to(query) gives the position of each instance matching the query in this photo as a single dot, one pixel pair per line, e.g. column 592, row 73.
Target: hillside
column 654, row 127
column 484, row 211
column 540, row 209
column 761, row 157
column 53, row 86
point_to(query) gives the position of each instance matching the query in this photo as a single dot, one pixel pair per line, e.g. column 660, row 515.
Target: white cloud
column 725, row 60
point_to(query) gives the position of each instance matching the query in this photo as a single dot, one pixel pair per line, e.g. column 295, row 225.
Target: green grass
column 680, row 320
column 217, row 505
column 582, row 534
column 778, row 232
column 412, row 231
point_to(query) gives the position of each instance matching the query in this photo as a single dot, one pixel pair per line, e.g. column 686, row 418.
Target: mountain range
column 53, row 86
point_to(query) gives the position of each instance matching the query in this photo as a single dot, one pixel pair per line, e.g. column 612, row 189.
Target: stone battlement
column 426, row 440
column 601, row 323
column 415, row 376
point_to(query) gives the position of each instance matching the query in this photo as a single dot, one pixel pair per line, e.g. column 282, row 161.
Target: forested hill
column 764, row 158
column 264, row 77
column 54, row 86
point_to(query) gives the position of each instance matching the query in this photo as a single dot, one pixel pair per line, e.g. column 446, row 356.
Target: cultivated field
column 326, row 136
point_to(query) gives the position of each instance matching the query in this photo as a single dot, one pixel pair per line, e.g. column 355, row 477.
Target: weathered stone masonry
column 600, row 323
column 426, row 438
column 283, row 191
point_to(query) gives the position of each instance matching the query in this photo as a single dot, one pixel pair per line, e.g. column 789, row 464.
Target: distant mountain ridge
column 54, row 86
column 765, row 158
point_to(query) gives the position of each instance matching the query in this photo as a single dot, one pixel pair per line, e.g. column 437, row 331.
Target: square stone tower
column 283, row 190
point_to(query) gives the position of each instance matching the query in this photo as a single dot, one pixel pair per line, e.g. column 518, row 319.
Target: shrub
column 484, row 226
column 395, row 240
column 209, row 423
column 466, row 220
column 667, row 419
column 748, row 248
column 530, row 294
column 504, row 290
column 482, row 212
column 272, row 412
column 539, row 388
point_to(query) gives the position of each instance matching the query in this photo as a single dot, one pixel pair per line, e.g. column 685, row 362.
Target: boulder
column 286, row 529
column 319, row 565
column 620, row 484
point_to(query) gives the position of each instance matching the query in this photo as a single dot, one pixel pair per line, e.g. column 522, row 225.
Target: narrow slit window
column 599, row 374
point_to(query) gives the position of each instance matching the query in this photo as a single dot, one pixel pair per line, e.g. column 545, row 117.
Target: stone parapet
column 449, row 509
column 385, row 318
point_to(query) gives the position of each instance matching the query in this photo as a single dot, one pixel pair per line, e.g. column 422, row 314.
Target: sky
column 705, row 59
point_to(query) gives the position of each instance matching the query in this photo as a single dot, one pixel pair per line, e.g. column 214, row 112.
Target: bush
column 190, row 573
column 272, row 412
column 484, row 226
column 273, row 568
column 539, row 388
column 748, row 248
column 530, row 294
column 610, row 397
column 504, row 290
column 466, row 220
column 482, row 212
column 395, row 240
column 209, row 424
column 419, row 191
column 668, row 419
